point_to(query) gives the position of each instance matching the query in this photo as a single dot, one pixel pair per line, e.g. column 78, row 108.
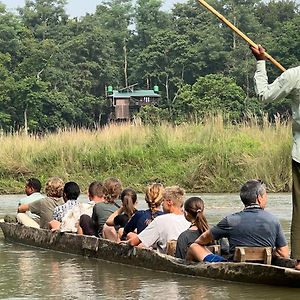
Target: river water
column 31, row 273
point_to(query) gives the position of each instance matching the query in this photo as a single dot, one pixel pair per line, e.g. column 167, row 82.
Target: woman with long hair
column 194, row 213
column 142, row 218
column 116, row 222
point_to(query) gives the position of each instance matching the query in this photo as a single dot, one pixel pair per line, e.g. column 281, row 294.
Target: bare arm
column 23, row 208
column 282, row 252
column 204, row 238
column 134, row 240
column 110, row 220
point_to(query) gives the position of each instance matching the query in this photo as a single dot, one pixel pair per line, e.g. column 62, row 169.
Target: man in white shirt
column 287, row 85
column 165, row 227
column 32, row 190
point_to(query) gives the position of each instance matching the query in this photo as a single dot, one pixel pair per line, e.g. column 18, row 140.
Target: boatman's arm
column 280, row 88
column 23, row 208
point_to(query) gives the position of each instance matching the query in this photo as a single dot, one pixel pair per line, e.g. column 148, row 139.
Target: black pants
column 295, row 227
column 87, row 225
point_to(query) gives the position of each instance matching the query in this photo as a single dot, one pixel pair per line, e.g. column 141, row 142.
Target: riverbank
column 209, row 158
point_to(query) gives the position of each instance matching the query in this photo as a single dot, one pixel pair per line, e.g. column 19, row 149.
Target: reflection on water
column 30, row 273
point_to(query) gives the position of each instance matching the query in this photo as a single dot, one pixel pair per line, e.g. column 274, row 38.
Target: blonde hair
column 154, row 195
column 175, row 194
column 54, row 187
column 113, row 189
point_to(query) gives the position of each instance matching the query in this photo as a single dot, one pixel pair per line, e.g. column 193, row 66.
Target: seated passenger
column 70, row 194
column 194, row 213
column 102, row 210
column 166, row 227
column 118, row 220
column 252, row 227
column 142, row 218
column 70, row 222
column 45, row 207
column 32, row 190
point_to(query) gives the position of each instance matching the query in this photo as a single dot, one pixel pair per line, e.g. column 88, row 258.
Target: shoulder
column 100, row 204
column 291, row 75
column 269, row 216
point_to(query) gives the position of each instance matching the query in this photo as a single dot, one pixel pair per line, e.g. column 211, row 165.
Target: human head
column 96, row 190
column 253, row 192
column 113, row 188
column 154, row 195
column 129, row 198
column 71, row 191
column 54, row 187
column 194, row 213
column 33, row 185
column 173, row 198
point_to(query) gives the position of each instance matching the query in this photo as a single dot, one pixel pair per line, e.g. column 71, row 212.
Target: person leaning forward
column 251, row 227
column 287, row 85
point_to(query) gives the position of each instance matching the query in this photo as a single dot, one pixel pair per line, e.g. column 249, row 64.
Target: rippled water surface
column 31, row 273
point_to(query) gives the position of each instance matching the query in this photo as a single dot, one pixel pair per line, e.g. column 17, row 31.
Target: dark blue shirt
column 140, row 220
column 252, row 227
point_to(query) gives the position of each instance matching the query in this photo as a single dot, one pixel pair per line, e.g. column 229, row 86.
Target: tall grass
column 207, row 157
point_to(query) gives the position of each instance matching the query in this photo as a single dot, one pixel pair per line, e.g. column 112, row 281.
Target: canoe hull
column 122, row 253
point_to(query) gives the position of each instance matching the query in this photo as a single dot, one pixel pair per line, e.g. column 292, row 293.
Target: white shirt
column 287, row 85
column 162, row 229
column 71, row 220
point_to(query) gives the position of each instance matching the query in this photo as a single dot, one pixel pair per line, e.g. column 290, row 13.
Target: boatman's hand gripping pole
column 241, row 34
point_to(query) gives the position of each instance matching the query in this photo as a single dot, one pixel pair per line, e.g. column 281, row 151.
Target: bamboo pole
column 241, row 34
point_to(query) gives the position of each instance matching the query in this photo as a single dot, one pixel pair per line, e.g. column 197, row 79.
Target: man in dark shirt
column 252, row 227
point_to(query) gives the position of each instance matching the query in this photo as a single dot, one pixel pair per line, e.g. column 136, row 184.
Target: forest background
column 55, row 69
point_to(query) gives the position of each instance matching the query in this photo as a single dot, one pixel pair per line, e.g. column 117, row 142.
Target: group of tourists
column 112, row 213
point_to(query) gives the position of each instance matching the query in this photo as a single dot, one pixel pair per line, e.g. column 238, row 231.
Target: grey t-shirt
column 185, row 239
column 252, row 227
column 102, row 210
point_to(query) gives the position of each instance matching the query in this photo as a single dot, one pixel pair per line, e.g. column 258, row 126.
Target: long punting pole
column 241, row 34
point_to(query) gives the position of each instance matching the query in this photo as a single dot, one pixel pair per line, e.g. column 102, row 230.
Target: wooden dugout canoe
column 98, row 248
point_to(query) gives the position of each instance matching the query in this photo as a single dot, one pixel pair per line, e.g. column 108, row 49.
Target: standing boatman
column 287, row 85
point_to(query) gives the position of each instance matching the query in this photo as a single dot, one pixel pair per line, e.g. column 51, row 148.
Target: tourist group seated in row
column 170, row 219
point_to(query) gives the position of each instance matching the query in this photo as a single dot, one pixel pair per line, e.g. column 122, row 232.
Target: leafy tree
column 212, row 93
column 45, row 18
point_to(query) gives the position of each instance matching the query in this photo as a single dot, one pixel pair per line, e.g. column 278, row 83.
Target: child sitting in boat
column 103, row 209
column 142, row 218
column 70, row 194
column 118, row 220
column 194, row 213
column 70, row 222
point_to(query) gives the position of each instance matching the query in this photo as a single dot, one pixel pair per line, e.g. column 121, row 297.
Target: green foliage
column 211, row 94
column 153, row 115
column 54, row 69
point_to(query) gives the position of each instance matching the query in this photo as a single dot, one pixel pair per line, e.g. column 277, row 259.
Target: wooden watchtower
column 125, row 103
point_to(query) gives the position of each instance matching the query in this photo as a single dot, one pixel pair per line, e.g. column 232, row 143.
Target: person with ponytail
column 194, row 213
column 116, row 222
column 142, row 218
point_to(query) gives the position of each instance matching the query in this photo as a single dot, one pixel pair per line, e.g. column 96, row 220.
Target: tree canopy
column 54, row 69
